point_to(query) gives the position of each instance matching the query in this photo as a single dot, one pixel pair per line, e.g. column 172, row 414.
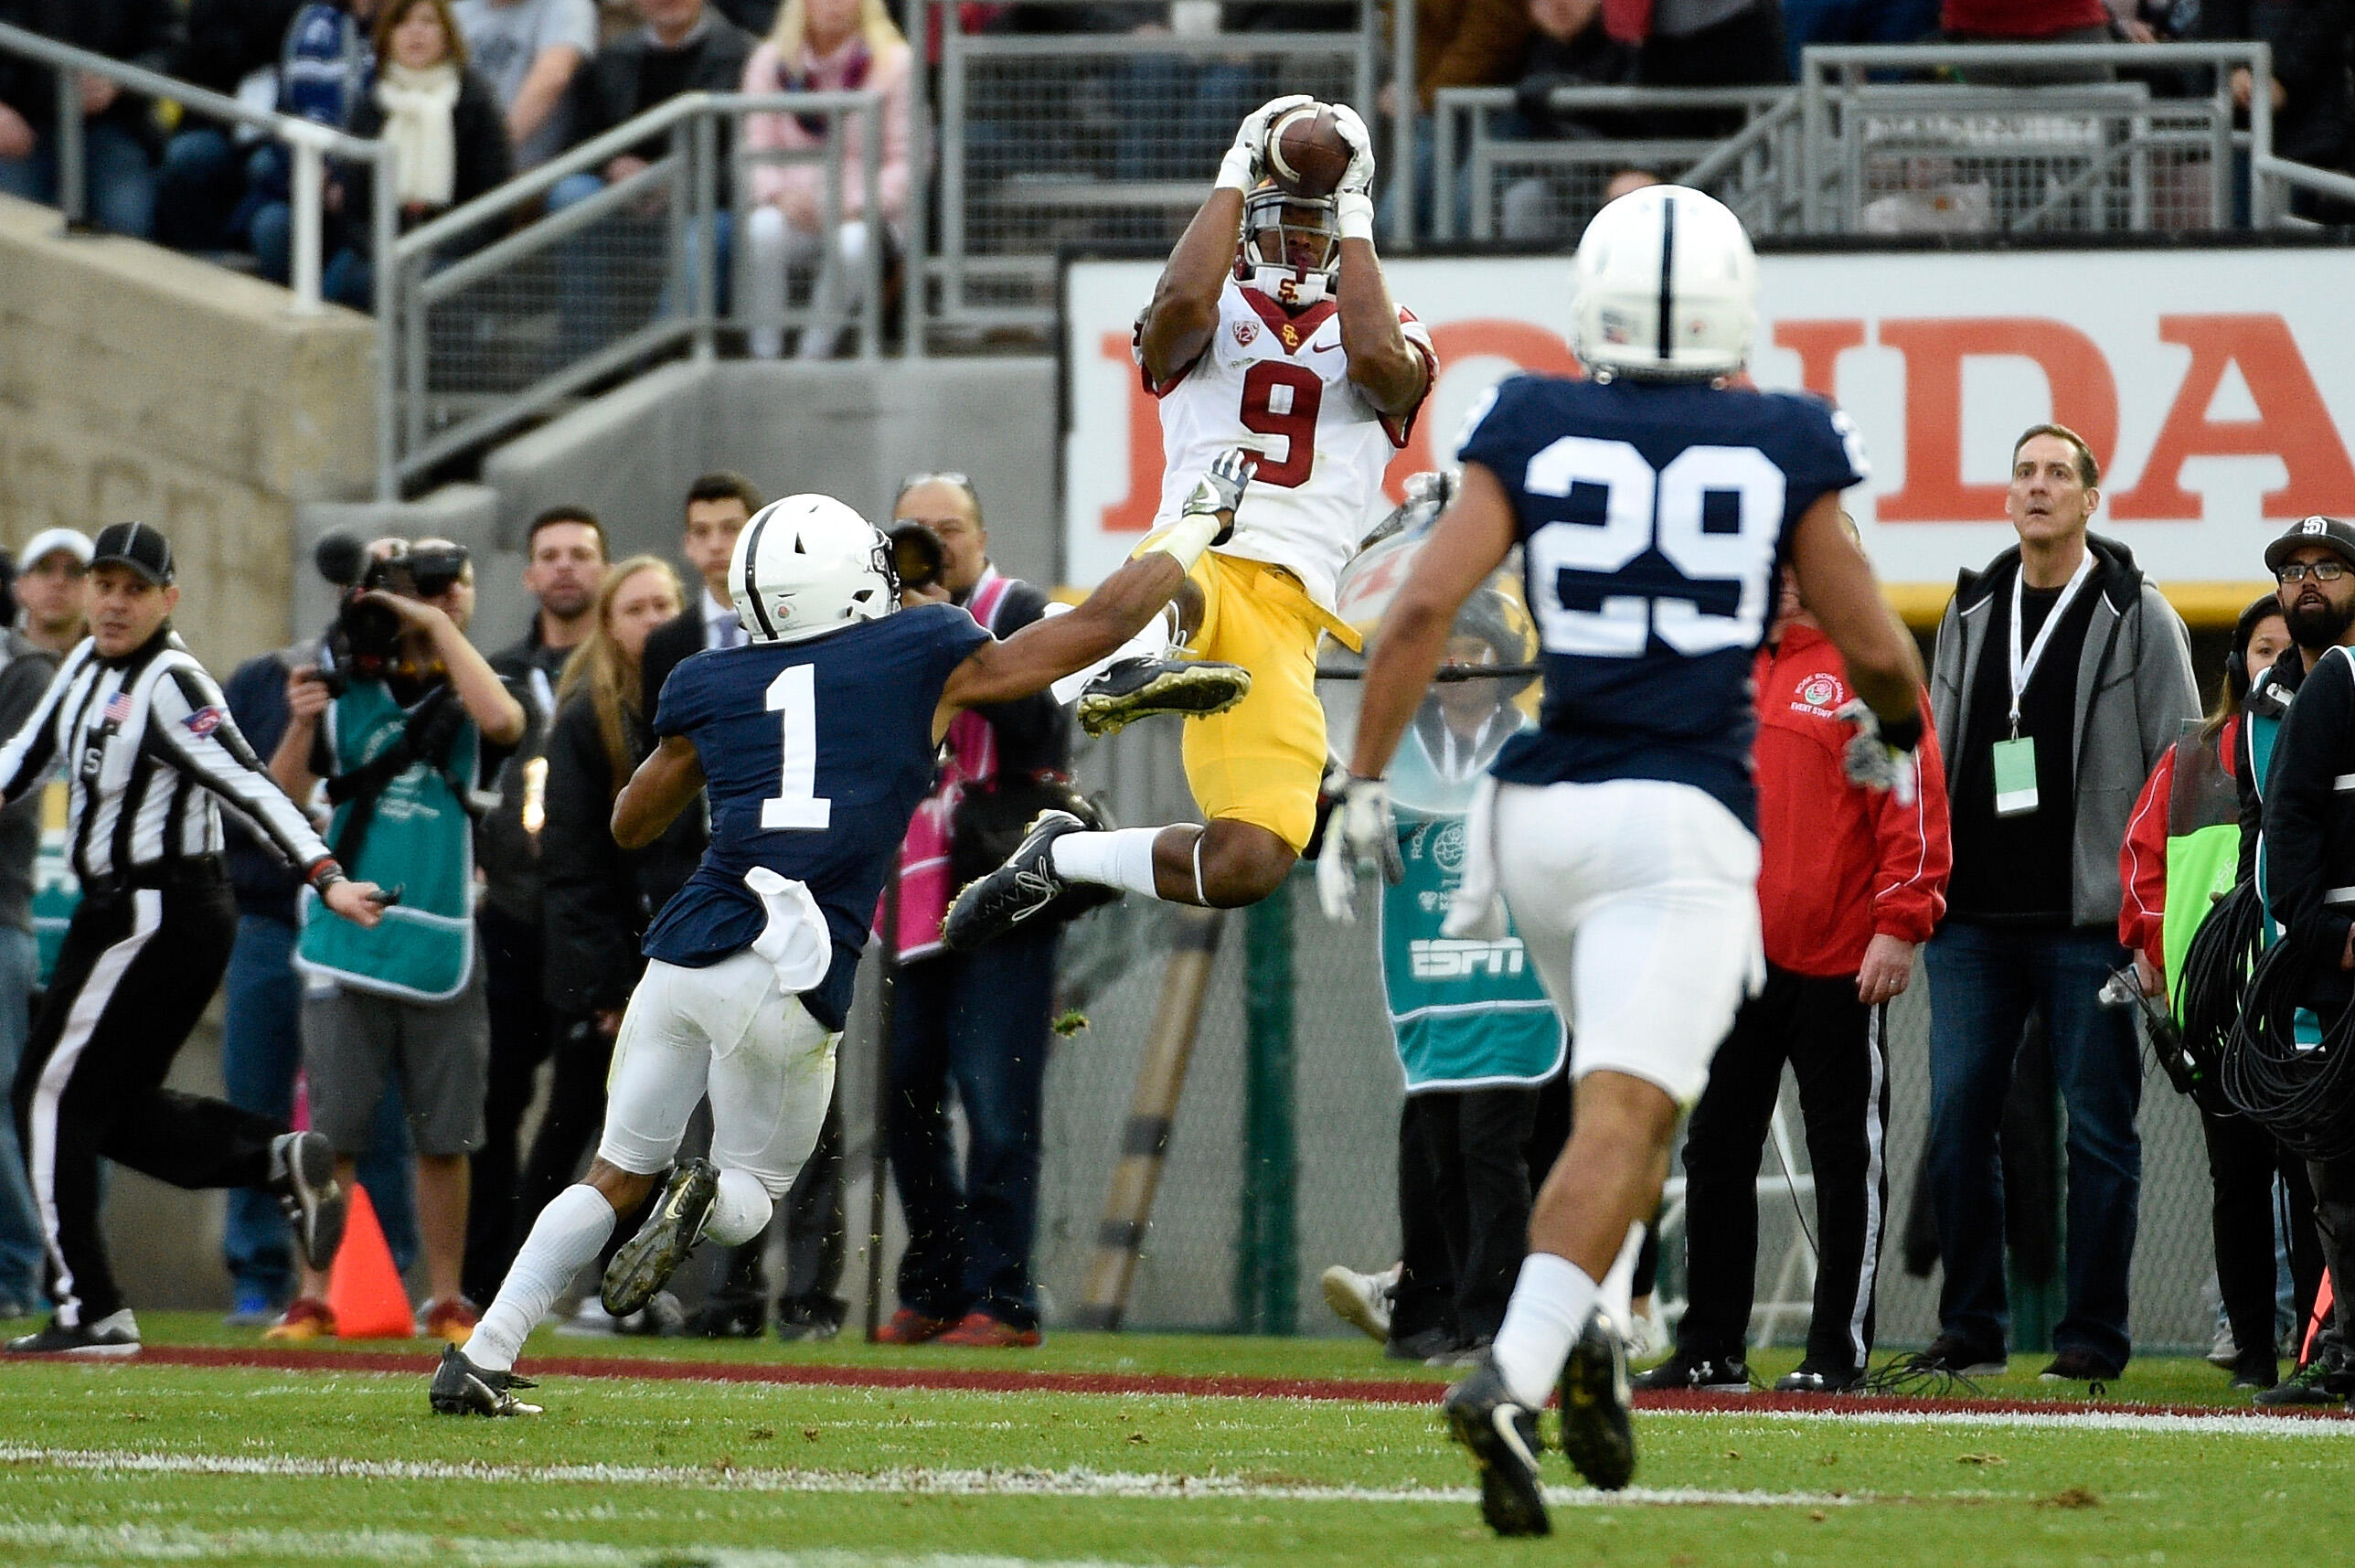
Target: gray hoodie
column 2134, row 690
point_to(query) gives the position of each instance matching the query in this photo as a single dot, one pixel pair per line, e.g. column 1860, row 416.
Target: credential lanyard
column 2023, row 669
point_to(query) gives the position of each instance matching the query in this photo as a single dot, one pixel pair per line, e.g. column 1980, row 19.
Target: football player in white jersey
column 1272, row 328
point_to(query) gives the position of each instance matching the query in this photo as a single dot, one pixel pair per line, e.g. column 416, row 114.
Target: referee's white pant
column 134, row 975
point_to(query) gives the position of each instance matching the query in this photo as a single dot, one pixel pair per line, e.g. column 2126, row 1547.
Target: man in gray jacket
column 2062, row 675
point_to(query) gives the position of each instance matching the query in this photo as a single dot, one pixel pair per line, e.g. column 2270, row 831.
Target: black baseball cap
column 2336, row 535
column 140, row 548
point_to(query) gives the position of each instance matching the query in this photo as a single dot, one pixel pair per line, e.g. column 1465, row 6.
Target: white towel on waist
column 795, row 942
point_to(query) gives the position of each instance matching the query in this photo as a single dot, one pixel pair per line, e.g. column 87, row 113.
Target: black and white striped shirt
column 148, row 746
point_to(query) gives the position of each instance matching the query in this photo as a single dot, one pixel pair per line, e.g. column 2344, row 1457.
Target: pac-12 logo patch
column 203, row 721
column 1245, row 331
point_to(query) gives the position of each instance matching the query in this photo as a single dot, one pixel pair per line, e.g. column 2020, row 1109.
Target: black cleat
column 1502, row 1435
column 1595, row 1431
column 116, row 1334
column 1681, row 1373
column 462, row 1388
column 1816, row 1377
column 1140, row 687
column 306, row 1188
column 988, row 907
column 730, row 1318
column 645, row 1262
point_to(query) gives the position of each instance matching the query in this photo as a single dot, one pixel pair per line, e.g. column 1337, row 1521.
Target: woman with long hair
column 822, row 46
column 596, row 908
column 2181, row 852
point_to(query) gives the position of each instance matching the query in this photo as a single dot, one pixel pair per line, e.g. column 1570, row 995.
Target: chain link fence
column 1204, row 1266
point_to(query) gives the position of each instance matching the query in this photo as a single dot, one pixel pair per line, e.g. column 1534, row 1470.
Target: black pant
column 521, row 1038
column 1463, row 1207
column 816, row 1235
column 1834, row 1044
column 2243, row 1158
column 569, row 1127
column 2334, row 1224
column 131, row 979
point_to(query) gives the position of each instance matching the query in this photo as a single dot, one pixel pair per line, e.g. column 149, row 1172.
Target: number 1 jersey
column 1279, row 384
column 814, row 755
column 1653, row 519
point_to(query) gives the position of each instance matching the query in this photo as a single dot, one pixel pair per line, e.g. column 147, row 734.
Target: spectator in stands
column 230, row 46
column 977, row 1020
column 1457, row 43
column 322, row 76
column 261, row 1039
column 597, row 906
column 424, row 739
column 441, row 121
column 1704, row 43
column 2314, row 112
column 52, row 589
column 529, row 51
column 2027, row 22
column 1850, row 883
column 2047, row 747
column 119, row 159
column 564, row 556
column 2182, row 854
column 1857, row 22
column 24, row 672
column 823, row 46
column 1569, row 47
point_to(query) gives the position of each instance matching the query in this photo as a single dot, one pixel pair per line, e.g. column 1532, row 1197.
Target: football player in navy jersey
column 815, row 740
column 1654, row 504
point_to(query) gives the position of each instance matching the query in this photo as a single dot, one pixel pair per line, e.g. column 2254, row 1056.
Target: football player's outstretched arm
column 1045, row 651
column 1835, row 583
column 1466, row 546
column 1176, row 326
column 1382, row 363
column 665, row 783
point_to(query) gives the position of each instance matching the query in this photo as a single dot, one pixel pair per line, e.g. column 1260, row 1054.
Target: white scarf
column 418, row 106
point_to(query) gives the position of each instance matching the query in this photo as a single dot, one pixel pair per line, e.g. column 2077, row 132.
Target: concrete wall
column 139, row 384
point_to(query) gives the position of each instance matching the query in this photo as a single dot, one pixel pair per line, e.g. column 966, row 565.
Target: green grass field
column 132, row 1462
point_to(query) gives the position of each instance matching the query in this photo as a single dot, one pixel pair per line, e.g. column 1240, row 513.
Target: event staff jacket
column 1838, row 864
column 2307, row 867
column 2185, row 837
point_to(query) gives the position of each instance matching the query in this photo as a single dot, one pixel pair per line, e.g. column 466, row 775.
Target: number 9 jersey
column 1278, row 383
column 1653, row 517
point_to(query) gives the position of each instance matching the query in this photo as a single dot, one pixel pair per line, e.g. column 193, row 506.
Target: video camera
column 365, row 642
column 918, row 556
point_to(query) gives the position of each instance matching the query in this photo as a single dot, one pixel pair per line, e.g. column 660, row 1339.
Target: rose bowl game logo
column 1821, row 692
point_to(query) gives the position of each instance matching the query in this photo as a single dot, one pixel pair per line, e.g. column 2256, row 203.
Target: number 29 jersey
column 1653, row 517
column 1279, row 384
column 814, row 755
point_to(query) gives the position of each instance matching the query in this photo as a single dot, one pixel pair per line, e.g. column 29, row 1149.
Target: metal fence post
column 74, row 188
column 389, row 264
column 309, row 178
column 703, row 168
column 870, row 195
column 1266, row 1295
column 952, row 68
column 2262, row 213
column 1401, row 236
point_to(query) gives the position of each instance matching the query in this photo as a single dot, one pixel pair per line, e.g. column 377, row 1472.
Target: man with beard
column 2061, row 676
column 2285, row 808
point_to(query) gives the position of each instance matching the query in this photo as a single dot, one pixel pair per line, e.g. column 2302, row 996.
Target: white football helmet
column 1667, row 287
column 808, row 565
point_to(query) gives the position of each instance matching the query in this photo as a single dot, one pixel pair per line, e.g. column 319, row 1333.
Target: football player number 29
column 796, row 806
column 1714, row 512
column 1283, row 400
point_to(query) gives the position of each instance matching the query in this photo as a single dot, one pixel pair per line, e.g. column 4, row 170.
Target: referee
column 147, row 744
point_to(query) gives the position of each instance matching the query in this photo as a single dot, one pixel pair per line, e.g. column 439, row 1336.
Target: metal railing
column 1053, row 139
column 586, row 277
column 309, row 144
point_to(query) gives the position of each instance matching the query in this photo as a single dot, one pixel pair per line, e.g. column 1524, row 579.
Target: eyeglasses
column 2320, row 571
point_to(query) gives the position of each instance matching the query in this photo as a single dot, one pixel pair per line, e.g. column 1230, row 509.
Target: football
column 1307, row 154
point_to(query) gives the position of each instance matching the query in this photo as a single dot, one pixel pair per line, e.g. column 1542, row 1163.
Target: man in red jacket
column 1849, row 882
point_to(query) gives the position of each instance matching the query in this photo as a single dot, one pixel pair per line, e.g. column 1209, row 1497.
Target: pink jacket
column 887, row 74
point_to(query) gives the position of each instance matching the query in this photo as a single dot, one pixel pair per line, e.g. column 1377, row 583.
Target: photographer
column 406, row 730
column 978, row 1018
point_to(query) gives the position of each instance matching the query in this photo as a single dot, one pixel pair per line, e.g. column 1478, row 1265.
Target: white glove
column 1243, row 166
column 1207, row 517
column 1871, row 760
column 1358, row 179
column 1360, row 840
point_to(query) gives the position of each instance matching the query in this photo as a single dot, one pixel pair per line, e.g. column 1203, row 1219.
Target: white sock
column 1551, row 1302
column 1121, row 859
column 1614, row 1297
column 740, row 1211
column 569, row 1231
column 1151, row 643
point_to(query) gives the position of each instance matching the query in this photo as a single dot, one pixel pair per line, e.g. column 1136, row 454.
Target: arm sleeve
column 2167, row 694
column 1947, row 673
column 188, row 724
column 1916, row 854
column 2298, row 808
column 2252, row 810
column 29, row 753
column 591, row 893
column 2142, row 867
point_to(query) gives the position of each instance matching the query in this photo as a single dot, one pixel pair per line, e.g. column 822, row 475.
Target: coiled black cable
column 2210, row 991
column 2303, row 1095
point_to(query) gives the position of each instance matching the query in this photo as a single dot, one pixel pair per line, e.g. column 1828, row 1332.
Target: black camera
column 365, row 638
column 918, row 556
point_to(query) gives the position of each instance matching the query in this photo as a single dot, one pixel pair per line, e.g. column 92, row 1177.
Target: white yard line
column 179, row 1545
column 1069, row 1482
column 2061, row 1419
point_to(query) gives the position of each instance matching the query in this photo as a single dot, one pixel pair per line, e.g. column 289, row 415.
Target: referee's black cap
column 136, row 546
